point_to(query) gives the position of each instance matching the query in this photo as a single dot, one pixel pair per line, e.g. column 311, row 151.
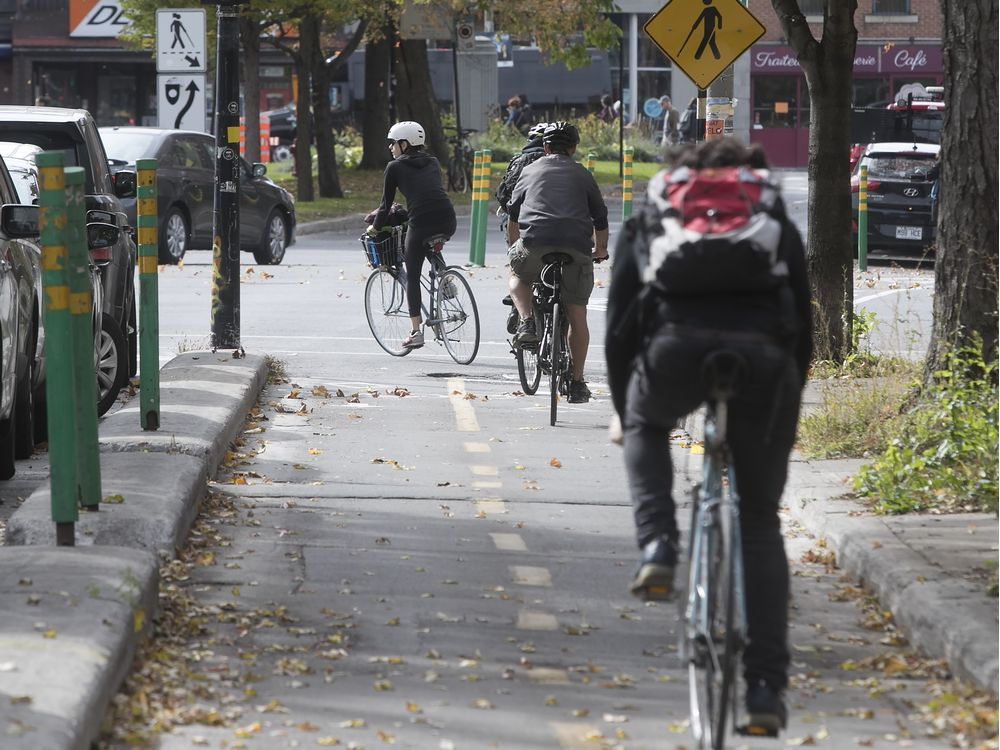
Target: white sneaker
column 414, row 341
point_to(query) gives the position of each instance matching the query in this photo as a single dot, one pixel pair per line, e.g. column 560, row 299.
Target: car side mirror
column 101, row 235
column 124, row 184
column 259, row 170
column 19, row 221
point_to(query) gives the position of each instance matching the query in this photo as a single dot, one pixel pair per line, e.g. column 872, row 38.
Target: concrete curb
column 79, row 611
column 949, row 618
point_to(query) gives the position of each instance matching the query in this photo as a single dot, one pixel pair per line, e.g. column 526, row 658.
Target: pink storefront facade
column 780, row 97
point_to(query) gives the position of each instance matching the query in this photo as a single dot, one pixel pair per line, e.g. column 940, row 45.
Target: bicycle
column 461, row 163
column 450, row 308
column 714, row 617
column 551, row 354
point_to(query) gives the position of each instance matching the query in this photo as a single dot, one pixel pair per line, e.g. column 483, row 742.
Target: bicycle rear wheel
column 528, row 369
column 457, row 179
column 713, row 645
column 387, row 312
column 458, row 316
column 556, row 355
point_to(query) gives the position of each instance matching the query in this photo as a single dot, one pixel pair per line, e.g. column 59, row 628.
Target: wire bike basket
column 384, row 250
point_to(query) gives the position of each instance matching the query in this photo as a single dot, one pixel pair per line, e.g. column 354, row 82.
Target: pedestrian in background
column 688, row 132
column 513, row 112
column 670, row 122
column 607, row 112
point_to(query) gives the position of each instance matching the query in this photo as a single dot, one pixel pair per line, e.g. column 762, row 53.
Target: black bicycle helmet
column 561, row 135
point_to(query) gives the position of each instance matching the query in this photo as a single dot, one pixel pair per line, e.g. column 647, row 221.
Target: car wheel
column 41, row 415
column 174, row 236
column 275, row 239
column 281, row 153
column 24, row 411
column 133, row 341
column 112, row 364
column 7, row 443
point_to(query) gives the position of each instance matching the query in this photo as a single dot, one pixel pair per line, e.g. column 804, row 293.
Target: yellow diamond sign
column 703, row 37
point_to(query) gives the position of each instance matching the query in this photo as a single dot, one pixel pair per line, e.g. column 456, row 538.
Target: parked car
column 185, row 182
column 900, row 219
column 20, row 160
column 20, row 266
column 74, row 132
column 283, row 125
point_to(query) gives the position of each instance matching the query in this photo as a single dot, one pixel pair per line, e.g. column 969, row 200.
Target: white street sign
column 180, row 40
column 181, row 101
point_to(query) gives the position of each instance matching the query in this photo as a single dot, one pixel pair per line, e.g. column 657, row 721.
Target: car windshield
column 124, row 147
column 898, row 166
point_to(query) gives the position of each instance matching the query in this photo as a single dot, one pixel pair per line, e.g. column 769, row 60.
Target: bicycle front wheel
column 556, row 355
column 458, row 317
column 713, row 647
column 387, row 312
column 528, row 369
column 457, row 176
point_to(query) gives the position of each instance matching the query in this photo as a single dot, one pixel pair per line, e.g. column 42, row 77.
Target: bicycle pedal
column 753, row 730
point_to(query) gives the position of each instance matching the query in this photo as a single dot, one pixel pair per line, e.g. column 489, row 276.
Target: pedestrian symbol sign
column 180, row 40
column 703, row 37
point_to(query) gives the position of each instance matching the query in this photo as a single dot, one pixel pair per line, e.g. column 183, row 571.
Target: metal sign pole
column 226, row 234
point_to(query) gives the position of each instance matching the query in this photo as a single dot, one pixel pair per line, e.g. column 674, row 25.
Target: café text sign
column 776, row 59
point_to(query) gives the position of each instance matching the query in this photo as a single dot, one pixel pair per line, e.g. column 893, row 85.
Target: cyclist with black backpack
column 713, row 262
column 531, row 150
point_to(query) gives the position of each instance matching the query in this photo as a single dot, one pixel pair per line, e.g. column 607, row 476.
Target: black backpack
column 517, row 163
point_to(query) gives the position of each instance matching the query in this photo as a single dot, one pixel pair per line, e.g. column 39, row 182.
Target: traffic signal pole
column 226, row 228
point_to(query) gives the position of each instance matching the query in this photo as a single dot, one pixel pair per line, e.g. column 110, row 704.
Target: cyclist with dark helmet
column 417, row 175
column 557, row 206
column 531, row 151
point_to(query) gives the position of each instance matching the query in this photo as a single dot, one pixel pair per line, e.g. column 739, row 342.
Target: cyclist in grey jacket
column 417, row 175
column 557, row 206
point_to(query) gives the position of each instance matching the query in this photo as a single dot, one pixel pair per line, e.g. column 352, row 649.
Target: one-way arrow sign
column 181, row 102
column 180, row 40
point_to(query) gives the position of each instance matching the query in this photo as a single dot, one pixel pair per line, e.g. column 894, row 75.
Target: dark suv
column 74, row 132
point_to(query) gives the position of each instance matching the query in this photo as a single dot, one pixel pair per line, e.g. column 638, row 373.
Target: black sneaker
column 512, row 320
column 654, row 575
column 766, row 712
column 579, row 393
column 526, row 333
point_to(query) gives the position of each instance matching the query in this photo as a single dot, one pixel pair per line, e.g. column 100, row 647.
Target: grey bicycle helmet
column 537, row 131
column 561, row 135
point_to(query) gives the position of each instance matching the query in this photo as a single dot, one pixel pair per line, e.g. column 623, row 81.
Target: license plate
column 909, row 233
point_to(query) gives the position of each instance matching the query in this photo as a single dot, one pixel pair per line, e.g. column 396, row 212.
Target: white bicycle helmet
column 537, row 130
column 409, row 131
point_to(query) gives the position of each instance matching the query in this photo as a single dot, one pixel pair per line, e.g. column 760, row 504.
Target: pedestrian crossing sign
column 703, row 37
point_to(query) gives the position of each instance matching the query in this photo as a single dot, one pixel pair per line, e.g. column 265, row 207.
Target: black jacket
column 418, row 177
column 633, row 316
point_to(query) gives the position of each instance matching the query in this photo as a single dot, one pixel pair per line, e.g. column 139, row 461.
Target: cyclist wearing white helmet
column 531, row 150
column 417, row 175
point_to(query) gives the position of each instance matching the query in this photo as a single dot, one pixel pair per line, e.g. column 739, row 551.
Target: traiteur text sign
column 703, row 37
column 180, row 40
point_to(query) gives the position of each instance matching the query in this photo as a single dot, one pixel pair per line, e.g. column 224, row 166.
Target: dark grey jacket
column 557, row 202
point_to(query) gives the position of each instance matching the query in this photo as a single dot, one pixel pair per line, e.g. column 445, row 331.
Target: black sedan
column 185, row 180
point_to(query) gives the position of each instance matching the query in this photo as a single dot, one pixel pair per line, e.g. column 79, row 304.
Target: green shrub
column 944, row 453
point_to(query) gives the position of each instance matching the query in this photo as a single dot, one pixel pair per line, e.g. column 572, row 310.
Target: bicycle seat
column 436, row 243
column 557, row 258
column 722, row 371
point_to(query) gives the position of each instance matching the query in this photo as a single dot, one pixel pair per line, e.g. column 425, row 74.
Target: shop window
column 775, row 102
column 891, row 7
column 812, row 7
column 870, row 92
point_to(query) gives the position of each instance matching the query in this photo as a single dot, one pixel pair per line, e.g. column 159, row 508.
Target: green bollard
column 485, row 166
column 59, row 390
column 474, row 217
column 588, row 162
column 149, row 295
column 81, row 313
column 863, row 219
column 627, row 182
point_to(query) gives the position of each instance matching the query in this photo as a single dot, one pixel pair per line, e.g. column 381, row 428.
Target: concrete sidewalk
column 73, row 616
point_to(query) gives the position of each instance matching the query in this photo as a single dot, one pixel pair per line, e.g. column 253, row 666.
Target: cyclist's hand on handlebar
column 371, row 230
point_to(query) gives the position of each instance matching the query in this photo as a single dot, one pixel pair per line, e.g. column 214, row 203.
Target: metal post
column 59, row 389
column 863, row 219
column 81, row 309
column 702, row 112
column 477, row 159
column 149, row 295
column 485, row 166
column 627, row 184
column 226, row 242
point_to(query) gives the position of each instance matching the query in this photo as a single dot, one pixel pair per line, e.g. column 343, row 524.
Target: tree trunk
column 375, row 125
column 828, row 66
column 965, row 271
column 303, row 113
column 250, row 57
column 329, row 181
column 413, row 75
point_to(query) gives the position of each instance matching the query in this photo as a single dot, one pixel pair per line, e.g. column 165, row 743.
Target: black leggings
column 415, row 251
